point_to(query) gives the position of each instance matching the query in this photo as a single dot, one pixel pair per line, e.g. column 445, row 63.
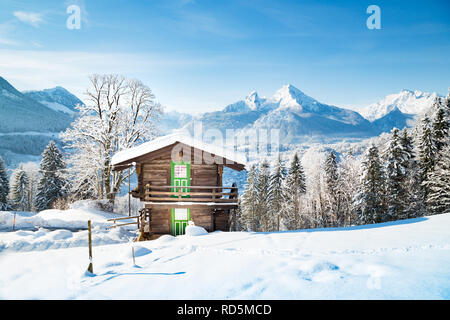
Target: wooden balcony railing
column 191, row 194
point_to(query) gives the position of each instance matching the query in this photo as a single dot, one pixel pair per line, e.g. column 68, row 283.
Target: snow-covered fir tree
column 32, row 171
column 446, row 105
column 396, row 194
column 277, row 187
column 52, row 185
column 263, row 197
column 19, row 193
column 371, row 197
column 295, row 180
column 427, row 155
column 348, row 185
column 440, row 126
column 249, row 207
column 236, row 219
column 333, row 214
column 413, row 201
column 437, row 180
column 438, row 200
column 4, row 186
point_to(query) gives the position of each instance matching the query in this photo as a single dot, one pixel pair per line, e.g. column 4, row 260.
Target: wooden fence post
column 90, row 267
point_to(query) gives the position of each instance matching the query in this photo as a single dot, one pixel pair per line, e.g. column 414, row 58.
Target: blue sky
column 199, row 56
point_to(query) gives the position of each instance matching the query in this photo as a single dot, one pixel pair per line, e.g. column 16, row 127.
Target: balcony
column 191, row 196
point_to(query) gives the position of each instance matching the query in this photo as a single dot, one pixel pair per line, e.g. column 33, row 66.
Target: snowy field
column 403, row 260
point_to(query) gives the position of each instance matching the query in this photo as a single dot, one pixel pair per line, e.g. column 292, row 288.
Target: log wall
column 156, row 171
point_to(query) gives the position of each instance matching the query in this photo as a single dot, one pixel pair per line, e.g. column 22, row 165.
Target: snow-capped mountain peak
column 253, row 101
column 291, row 97
column 406, row 101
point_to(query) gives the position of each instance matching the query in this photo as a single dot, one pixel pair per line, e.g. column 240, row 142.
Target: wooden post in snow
column 90, row 267
column 129, row 192
column 14, row 221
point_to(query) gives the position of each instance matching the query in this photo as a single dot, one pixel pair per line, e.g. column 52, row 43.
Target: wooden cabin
column 180, row 182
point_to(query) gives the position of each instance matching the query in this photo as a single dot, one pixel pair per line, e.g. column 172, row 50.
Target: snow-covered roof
column 161, row 142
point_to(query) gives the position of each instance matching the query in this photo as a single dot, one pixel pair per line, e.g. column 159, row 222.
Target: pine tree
column 395, row 178
column 277, row 184
column 438, row 200
column 413, row 203
column 19, row 189
column 295, row 180
column 437, row 180
column 407, row 145
column 263, row 187
column 371, row 197
column 51, row 185
column 249, row 206
column 440, row 126
column 236, row 220
column 427, row 155
column 4, row 186
column 332, row 182
column 446, row 105
column 349, row 184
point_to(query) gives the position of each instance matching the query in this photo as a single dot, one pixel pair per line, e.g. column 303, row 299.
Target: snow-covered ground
column 402, row 260
column 74, row 218
column 54, row 229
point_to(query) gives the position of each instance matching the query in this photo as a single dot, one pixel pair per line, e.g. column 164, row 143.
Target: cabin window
column 181, row 214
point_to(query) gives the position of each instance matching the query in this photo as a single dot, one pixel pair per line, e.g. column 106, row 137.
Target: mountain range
column 301, row 118
column 30, row 119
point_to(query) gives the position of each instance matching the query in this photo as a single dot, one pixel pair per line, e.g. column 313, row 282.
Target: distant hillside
column 27, row 125
column 57, row 99
column 20, row 113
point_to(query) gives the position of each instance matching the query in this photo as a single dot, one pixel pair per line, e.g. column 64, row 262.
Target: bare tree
column 119, row 114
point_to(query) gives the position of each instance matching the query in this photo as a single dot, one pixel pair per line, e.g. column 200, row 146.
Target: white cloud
column 6, row 31
column 36, row 44
column 8, row 42
column 31, row 18
column 36, row 69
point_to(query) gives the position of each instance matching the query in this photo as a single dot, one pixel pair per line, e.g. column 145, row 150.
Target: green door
column 180, row 177
column 179, row 218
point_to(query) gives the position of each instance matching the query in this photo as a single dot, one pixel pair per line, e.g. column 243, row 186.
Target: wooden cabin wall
column 160, row 220
column 221, row 221
column 203, row 218
column 156, row 171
